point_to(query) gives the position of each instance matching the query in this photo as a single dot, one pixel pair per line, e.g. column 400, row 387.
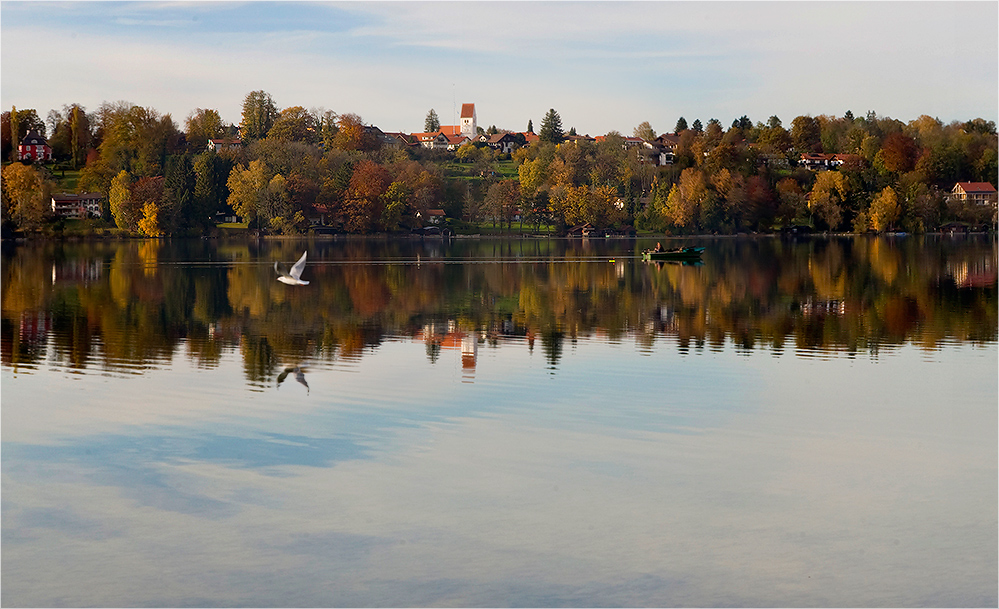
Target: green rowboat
column 679, row 253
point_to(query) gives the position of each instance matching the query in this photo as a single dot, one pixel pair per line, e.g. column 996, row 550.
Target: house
column 656, row 154
column 403, row 140
column 34, row 148
column 435, row 141
column 850, row 161
column 669, row 141
column 85, row 205
column 383, row 139
column 504, row 142
column 225, row 144
column 575, row 139
column 455, row 142
column 815, row 160
column 433, row 216
column 974, row 193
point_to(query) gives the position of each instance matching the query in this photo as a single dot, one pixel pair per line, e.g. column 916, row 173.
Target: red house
column 34, row 148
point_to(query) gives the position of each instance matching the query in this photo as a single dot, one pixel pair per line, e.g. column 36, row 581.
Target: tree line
column 300, row 166
column 763, row 298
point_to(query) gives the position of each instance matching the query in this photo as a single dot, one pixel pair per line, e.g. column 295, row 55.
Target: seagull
column 294, row 277
column 299, row 376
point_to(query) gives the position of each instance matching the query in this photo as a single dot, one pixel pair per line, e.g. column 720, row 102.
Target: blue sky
column 602, row 65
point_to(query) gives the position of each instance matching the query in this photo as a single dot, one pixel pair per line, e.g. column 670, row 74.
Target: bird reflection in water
column 299, row 376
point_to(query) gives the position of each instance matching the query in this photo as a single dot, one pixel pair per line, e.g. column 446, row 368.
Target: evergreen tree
column 530, row 126
column 178, row 195
column 681, row 125
column 211, row 191
column 551, row 128
column 696, row 126
column 432, row 124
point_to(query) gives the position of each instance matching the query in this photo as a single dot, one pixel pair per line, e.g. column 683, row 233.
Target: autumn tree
column 363, row 200
column 826, row 198
column 24, row 195
column 259, row 114
column 503, row 200
column 645, row 131
column 147, row 201
column 295, row 124
column 884, row 209
column 200, row 126
column 351, row 134
column 247, row 185
column 126, row 216
column 806, row 134
column 898, row 153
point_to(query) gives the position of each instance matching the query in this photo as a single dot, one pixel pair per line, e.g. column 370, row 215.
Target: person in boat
column 659, row 247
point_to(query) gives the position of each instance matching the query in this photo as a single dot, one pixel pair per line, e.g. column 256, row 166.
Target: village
column 755, row 178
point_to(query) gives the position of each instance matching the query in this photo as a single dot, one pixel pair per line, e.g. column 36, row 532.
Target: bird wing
column 296, row 271
column 276, row 270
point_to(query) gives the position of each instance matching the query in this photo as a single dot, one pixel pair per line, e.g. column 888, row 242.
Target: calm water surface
column 501, row 423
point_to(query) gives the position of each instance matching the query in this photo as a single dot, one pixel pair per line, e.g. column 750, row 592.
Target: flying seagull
column 294, row 277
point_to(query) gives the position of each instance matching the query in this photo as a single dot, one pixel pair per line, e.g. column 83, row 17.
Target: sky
column 603, row 66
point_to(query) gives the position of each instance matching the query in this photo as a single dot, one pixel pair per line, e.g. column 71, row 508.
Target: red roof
column 467, row 110
column 977, row 187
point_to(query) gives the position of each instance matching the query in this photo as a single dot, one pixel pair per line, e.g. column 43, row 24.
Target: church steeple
column 468, row 126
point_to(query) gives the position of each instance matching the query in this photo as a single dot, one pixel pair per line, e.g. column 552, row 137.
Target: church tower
column 468, row 126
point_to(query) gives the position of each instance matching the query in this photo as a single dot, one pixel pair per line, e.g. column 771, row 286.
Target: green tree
column 681, row 125
column 551, row 128
column 179, row 203
column 432, row 123
column 259, row 114
column 530, row 126
column 15, row 132
column 211, row 191
column 79, row 129
column 696, row 126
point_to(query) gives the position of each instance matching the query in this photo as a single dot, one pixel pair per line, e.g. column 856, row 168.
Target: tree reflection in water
column 124, row 306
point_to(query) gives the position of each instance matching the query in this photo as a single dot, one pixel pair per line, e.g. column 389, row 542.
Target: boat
column 677, row 253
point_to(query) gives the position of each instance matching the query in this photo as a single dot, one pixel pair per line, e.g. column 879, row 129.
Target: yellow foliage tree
column 884, row 209
column 24, row 194
column 149, row 224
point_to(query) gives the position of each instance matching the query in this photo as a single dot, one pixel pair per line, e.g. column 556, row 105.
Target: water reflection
column 500, row 423
column 125, row 308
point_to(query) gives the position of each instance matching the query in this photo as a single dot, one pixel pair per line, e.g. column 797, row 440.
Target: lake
column 791, row 422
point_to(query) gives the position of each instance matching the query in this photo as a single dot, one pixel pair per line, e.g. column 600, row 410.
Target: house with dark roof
column 84, row 205
column 503, row 142
column 34, row 147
